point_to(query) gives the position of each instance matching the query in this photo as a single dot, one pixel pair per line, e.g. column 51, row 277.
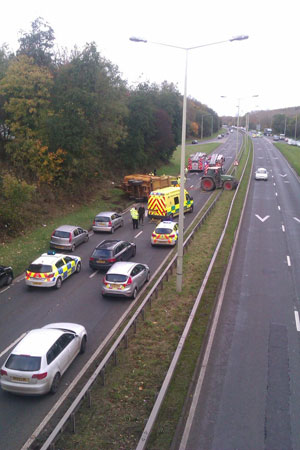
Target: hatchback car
column 166, row 233
column 6, row 276
column 110, row 251
column 107, row 221
column 68, row 237
column 125, row 279
column 195, row 141
column 37, row 363
column 51, row 269
column 261, row 174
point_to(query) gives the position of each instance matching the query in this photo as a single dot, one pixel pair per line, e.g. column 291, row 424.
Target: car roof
column 49, row 259
column 122, row 267
column 67, row 228
column 166, row 224
column 109, row 243
column 261, row 168
column 37, row 342
column 106, row 213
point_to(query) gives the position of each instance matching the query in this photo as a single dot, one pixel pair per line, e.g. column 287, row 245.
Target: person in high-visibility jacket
column 135, row 217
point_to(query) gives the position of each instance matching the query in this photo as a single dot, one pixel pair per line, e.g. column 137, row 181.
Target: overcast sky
column 267, row 64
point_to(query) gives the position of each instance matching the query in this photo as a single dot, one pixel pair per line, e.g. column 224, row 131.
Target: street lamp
column 183, row 138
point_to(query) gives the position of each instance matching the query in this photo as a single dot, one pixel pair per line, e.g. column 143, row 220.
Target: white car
column 166, row 233
column 37, row 363
column 51, row 269
column 261, row 174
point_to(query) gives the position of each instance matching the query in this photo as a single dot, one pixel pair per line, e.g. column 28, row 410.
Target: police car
column 166, row 233
column 51, row 269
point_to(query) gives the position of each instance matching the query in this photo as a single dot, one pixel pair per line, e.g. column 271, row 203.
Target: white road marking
column 296, row 218
column 93, row 274
column 1, row 292
column 12, row 345
column 286, row 181
column 276, row 194
column 283, row 175
column 297, row 320
column 288, row 260
column 137, row 235
column 283, row 228
column 274, row 184
column 20, row 279
column 279, row 208
column 191, row 186
column 262, row 219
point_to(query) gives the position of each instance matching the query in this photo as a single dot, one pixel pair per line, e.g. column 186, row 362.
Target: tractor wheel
column 228, row 185
column 208, row 184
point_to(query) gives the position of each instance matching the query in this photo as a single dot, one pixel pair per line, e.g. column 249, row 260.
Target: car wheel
column 83, row 345
column 73, row 248
column 78, row 267
column 133, row 252
column 112, row 230
column 55, row 384
column 134, row 293
column 58, row 283
column 86, row 238
column 171, row 217
column 148, row 277
column 9, row 280
column 122, row 223
column 191, row 208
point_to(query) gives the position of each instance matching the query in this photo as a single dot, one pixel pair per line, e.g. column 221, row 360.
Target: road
column 250, row 395
column 80, row 301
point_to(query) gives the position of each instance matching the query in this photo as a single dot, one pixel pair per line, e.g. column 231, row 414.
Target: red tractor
column 214, row 179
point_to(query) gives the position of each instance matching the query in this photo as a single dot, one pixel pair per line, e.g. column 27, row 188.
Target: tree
column 38, row 43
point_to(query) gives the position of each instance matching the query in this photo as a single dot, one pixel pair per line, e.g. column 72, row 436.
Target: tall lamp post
column 183, row 138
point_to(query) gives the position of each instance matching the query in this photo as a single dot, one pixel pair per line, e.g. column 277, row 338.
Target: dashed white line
column 288, row 260
column 191, row 186
column 12, row 345
column 274, row 184
column 137, row 235
column 3, row 290
column 93, row 274
column 276, row 194
column 297, row 320
column 283, row 228
column 279, row 208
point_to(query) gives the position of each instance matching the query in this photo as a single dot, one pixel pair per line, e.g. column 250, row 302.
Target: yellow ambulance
column 164, row 203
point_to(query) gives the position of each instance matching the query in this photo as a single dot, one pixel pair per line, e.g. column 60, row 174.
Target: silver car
column 107, row 221
column 37, row 363
column 261, row 174
column 68, row 237
column 125, row 279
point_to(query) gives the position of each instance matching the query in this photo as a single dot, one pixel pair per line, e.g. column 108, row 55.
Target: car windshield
column 40, row 268
column 61, row 234
column 261, row 171
column 25, row 363
column 102, row 219
column 116, row 278
column 163, row 230
column 101, row 253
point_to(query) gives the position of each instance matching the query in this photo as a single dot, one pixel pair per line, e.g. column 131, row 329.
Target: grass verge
column 292, row 154
column 120, row 409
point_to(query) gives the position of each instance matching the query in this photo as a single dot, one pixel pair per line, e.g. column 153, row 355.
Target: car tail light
column 94, row 223
column 111, row 260
column 92, row 259
column 49, row 275
column 129, row 281
column 172, row 235
column 40, row 376
column 53, row 233
column 104, row 280
column 109, row 223
column 3, row 372
column 70, row 237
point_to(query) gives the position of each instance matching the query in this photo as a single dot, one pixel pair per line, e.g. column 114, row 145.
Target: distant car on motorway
column 6, row 275
column 110, row 251
column 261, row 174
column 220, row 136
column 125, row 279
column 195, row 141
column 51, row 269
column 68, row 237
column 107, row 221
column 275, row 137
column 166, row 233
column 37, row 363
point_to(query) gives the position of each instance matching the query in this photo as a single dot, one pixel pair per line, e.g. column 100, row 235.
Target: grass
column 20, row 251
column 291, row 153
column 120, row 409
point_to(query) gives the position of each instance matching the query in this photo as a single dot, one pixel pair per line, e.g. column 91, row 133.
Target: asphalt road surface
column 79, row 300
column 250, row 396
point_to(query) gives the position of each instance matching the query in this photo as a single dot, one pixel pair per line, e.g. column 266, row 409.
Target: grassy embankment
column 291, row 153
column 20, row 251
column 120, row 408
